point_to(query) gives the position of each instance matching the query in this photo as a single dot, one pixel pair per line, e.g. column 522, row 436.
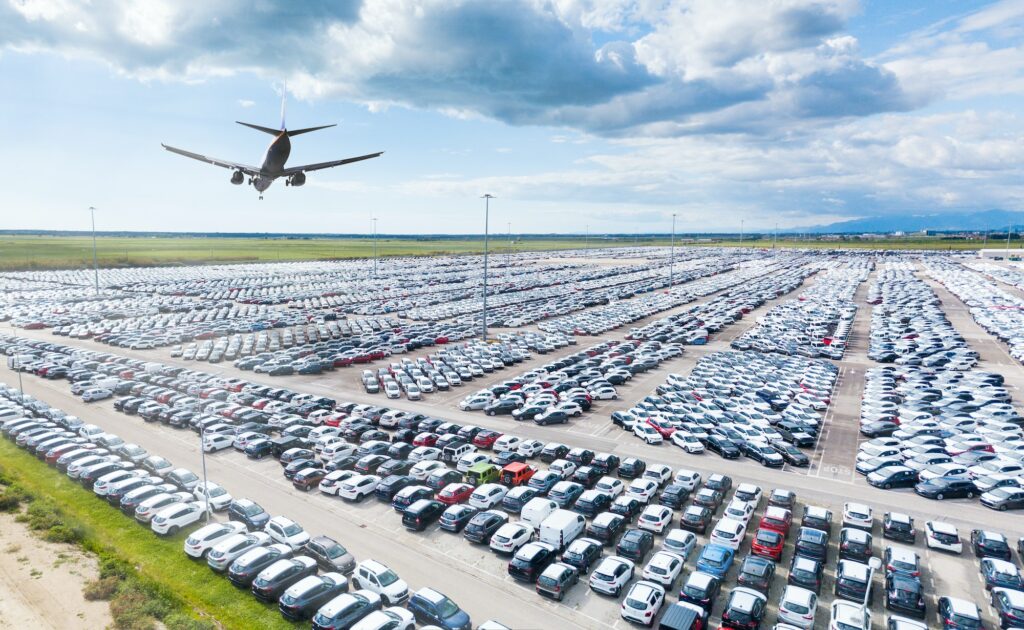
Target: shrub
column 180, row 621
column 102, row 588
column 64, row 534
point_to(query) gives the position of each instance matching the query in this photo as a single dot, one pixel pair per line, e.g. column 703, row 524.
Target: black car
column 330, row 555
column 552, row 452
column 950, row 617
column 793, row 455
column 296, row 465
column 438, row 480
column 422, row 513
column 249, row 513
column 608, row 529
column 708, row 497
column 605, row 463
column 514, row 501
column 395, row 467
column 990, row 545
column 806, row 573
column 897, row 526
column 591, row 503
column 635, row 544
column 942, row 488
column 852, row 581
column 812, row 543
column 505, row 458
column 258, row 559
column 626, row 507
column 482, row 526
column 880, row 428
column 817, row 518
column 456, row 517
column 434, row 608
column 582, row 553
column 368, row 464
column 722, row 446
column 719, row 482
column 701, row 589
column 632, row 468
column 756, row 573
column 1009, row 606
column 302, row 602
column 554, row 416
column 696, row 518
column 345, row 462
column 400, row 450
column 854, row 544
column 586, row 476
column 390, row 485
column 888, row 477
column 904, row 594
column 344, row 614
column 502, row 406
column 745, row 616
column 269, row 588
column 531, row 560
column 674, row 496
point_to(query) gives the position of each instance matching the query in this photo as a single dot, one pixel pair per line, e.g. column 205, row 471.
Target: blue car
column 715, row 560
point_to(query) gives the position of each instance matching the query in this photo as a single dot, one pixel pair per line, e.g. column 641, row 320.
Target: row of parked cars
column 308, row 577
column 568, row 387
column 815, row 324
column 996, row 310
column 762, row 406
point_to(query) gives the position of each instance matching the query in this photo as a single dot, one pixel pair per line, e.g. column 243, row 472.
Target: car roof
column 941, row 527
column 963, row 607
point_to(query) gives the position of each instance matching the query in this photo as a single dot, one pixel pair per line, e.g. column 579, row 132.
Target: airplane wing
column 316, row 167
column 245, row 168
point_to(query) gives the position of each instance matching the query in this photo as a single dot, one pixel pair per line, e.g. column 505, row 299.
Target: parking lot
column 475, row 577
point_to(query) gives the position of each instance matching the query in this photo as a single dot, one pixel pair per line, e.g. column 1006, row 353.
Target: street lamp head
column 487, row 196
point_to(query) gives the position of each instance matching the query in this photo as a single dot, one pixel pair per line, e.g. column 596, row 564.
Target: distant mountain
column 994, row 220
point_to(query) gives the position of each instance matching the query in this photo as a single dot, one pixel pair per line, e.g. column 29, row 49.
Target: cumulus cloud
column 614, row 68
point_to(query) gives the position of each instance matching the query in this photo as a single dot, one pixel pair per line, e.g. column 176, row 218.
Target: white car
column 286, row 531
column 171, row 519
column 424, row 454
column 689, row 479
column 107, row 482
column 849, row 616
column 940, row 535
column 739, row 511
column 642, row 489
column 510, row 537
column 231, row 548
column 655, row 518
column 659, row 473
column 798, row 606
column 506, row 443
column 424, row 469
column 96, row 393
column 219, row 497
column 680, row 542
column 647, row 433
column 642, row 602
column 487, row 496
column 611, row 486
column 476, row 401
column 204, row 538
column 530, row 448
column 612, row 575
column 751, row 493
column 664, row 567
column 218, row 442
column 332, row 482
column 466, row 462
column 728, row 532
column 563, row 468
column 149, row 508
column 858, row 515
column 374, row 576
column 688, row 442
column 393, row 618
column 358, row 488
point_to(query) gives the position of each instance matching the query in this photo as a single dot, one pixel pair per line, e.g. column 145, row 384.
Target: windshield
column 292, row 530
column 387, row 578
column 446, row 608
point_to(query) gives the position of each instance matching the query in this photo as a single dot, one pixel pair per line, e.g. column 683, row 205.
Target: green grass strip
column 158, row 560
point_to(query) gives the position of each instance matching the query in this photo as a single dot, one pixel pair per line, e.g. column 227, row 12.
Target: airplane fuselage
column 273, row 161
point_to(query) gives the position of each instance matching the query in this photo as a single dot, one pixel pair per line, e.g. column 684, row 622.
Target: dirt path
column 41, row 583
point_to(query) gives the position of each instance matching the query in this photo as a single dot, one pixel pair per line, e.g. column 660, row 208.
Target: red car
column 664, row 428
column 335, row 419
column 342, row 361
column 455, row 493
column 767, row 543
column 486, row 439
column 425, row 439
column 959, row 448
column 261, row 403
column 777, row 519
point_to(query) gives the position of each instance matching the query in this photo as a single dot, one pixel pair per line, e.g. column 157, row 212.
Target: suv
column 378, row 578
column 433, row 607
column 249, row 513
column 330, row 555
column 852, row 581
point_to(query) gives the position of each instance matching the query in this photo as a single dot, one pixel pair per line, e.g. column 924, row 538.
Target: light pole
column 775, row 237
column 741, row 232
column 587, row 242
column 487, row 221
column 95, row 265
column 1009, row 229
column 672, row 254
column 874, row 564
column 374, row 247
column 206, row 482
column 17, row 363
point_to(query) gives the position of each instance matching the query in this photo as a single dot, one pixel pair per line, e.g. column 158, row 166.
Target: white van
column 536, row 510
column 561, row 528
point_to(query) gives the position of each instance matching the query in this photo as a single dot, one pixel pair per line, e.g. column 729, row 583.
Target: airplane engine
column 237, row 178
column 297, row 179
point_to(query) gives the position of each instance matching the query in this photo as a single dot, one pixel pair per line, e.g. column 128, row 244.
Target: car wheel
column 490, row 413
column 888, row 486
column 970, row 495
column 940, row 496
column 1002, row 507
column 173, row 530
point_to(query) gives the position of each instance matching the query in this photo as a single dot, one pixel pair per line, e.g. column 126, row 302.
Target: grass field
column 18, row 252
column 160, row 560
column 69, row 252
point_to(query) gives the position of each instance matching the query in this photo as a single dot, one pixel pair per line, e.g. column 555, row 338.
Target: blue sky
column 608, row 114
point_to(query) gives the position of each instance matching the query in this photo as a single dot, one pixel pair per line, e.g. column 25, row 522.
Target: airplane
column 261, row 177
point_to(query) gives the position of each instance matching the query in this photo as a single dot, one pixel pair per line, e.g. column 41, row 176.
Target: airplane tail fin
column 295, row 132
